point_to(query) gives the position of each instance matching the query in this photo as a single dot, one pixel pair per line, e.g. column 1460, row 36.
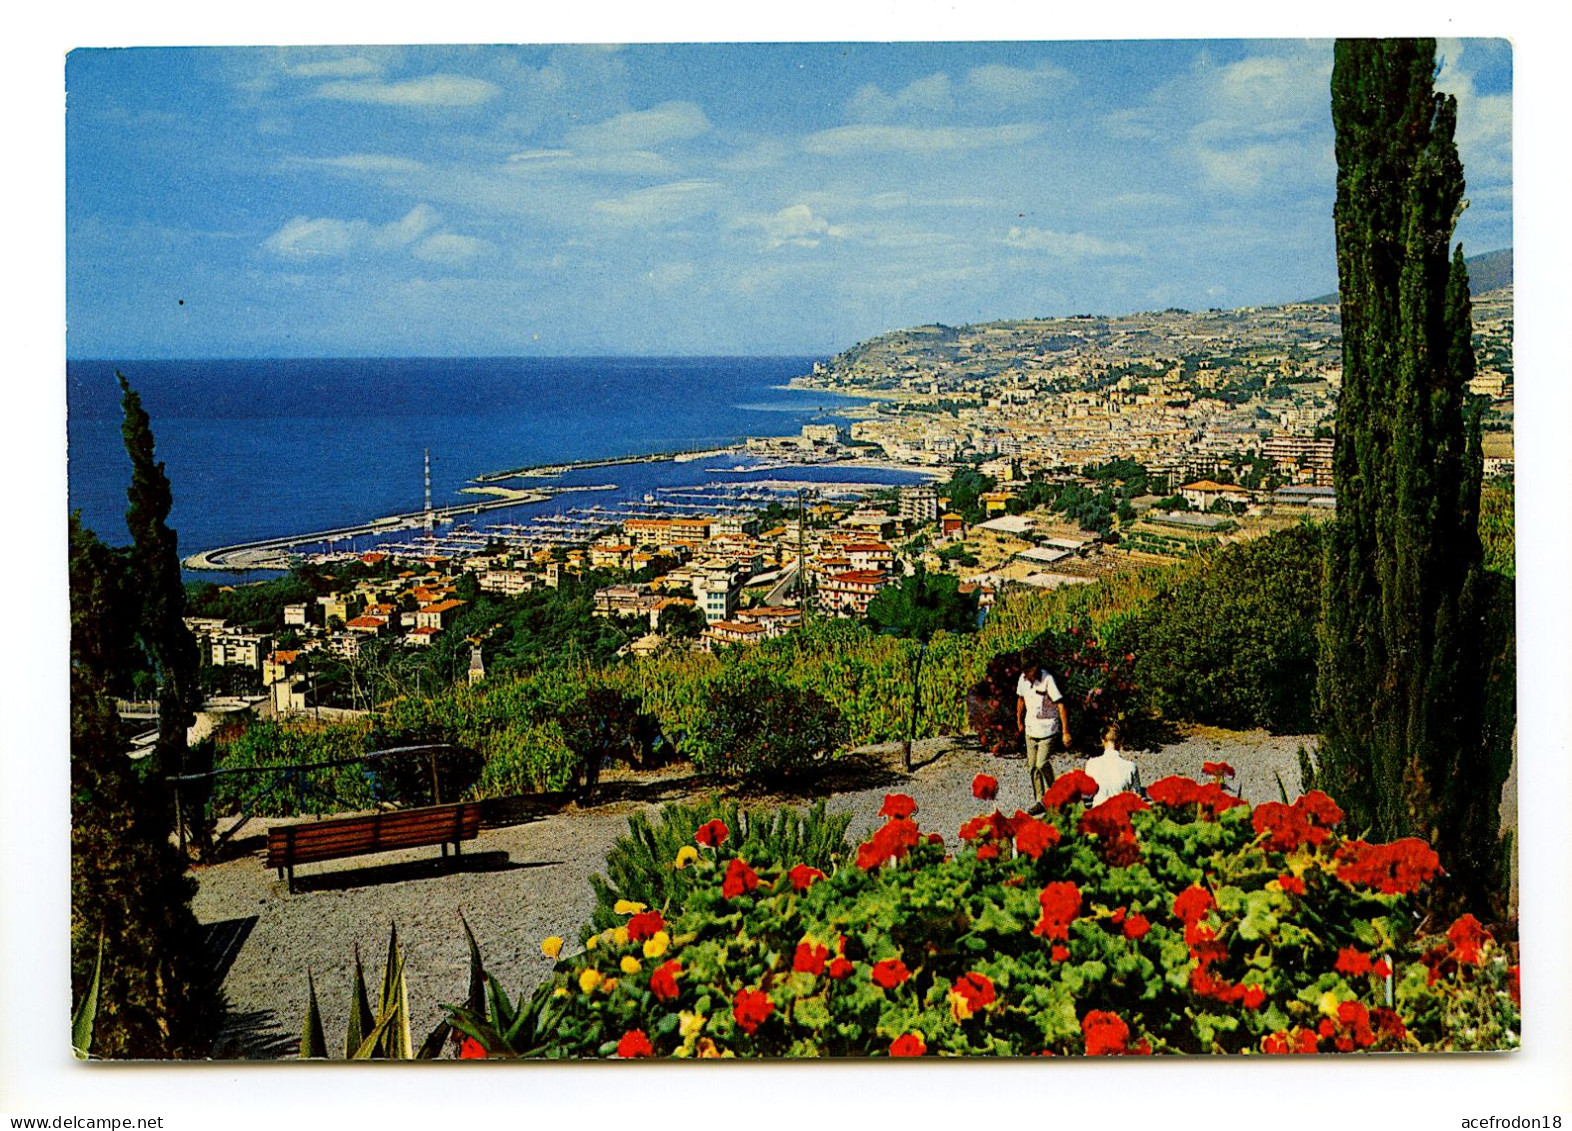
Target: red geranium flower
column 1275, row 1044
column 1388, row 1023
column 1061, row 903
column 1059, row 952
column 739, row 878
column 1514, row 986
column 750, row 1008
column 1468, row 939
column 471, row 1049
column 1291, row 883
column 712, row 834
column 1307, row 1042
column 840, row 969
column 803, row 877
column 1033, row 837
column 810, row 958
column 1392, row 869
column 1284, row 827
column 976, row 990
column 1193, row 903
column 1381, row 968
column 1172, row 791
column 1253, row 997
column 897, row 805
column 907, row 1044
column 985, row 787
column 1352, row 961
column 1217, row 769
column 995, row 825
column 1105, row 1033
column 893, row 840
column 1136, row 926
column 890, row 973
column 634, row 1044
column 663, row 981
column 1320, row 810
column 1068, row 787
column 987, row 852
column 644, row 925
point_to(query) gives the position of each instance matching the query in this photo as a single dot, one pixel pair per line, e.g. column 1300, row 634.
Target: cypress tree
column 1406, row 605
column 167, row 640
column 128, row 882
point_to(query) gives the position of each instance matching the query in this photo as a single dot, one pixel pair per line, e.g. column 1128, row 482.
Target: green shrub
column 757, row 727
column 275, row 748
column 643, row 866
column 527, row 759
column 1232, row 640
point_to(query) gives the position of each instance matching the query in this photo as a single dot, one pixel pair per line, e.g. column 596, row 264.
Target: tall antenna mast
column 430, row 523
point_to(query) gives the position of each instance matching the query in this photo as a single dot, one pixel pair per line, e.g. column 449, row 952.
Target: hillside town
column 1073, row 448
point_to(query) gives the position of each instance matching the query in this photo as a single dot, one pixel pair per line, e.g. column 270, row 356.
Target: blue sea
column 265, row 448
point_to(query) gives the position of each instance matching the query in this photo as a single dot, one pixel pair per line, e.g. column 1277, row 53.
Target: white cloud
column 1484, row 121
column 843, row 140
column 799, row 226
column 668, row 275
column 1018, row 86
column 354, row 66
column 305, row 237
column 932, row 93
column 446, row 249
column 623, row 163
column 430, row 91
column 369, row 163
column 1067, row 245
column 661, row 204
column 643, row 129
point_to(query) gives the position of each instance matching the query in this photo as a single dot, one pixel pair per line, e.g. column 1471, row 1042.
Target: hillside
column 1487, row 272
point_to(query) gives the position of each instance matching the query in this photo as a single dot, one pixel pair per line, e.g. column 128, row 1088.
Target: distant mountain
column 1487, row 272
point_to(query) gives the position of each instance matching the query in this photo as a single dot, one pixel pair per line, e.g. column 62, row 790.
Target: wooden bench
column 338, row 837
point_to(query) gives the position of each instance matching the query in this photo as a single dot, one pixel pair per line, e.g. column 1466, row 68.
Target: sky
column 703, row 198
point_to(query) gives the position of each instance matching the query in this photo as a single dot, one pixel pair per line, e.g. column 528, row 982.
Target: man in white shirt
column 1039, row 712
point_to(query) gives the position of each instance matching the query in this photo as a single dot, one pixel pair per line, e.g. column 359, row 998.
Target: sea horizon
column 267, row 447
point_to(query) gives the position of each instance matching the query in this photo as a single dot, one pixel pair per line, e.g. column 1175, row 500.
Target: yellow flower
column 627, row 907
column 656, row 944
column 560, row 991
column 551, row 947
column 589, row 978
column 630, row 965
column 620, row 936
column 594, row 941
column 1328, row 1004
column 689, row 1024
column 960, row 1007
column 686, row 855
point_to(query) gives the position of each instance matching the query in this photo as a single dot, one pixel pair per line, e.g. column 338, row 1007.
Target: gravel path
column 520, row 883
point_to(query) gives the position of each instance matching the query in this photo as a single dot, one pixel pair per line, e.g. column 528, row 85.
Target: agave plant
column 499, row 1028
column 383, row 1034
column 87, row 1012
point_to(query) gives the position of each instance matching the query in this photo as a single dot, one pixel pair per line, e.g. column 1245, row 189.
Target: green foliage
column 922, row 604
column 1402, row 678
column 284, row 746
column 128, row 882
column 257, row 607
column 758, row 727
column 1498, row 527
column 86, row 1014
column 1199, row 926
column 383, row 1034
column 647, row 865
column 1231, row 640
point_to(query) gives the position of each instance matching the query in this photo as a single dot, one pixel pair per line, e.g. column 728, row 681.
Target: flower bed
column 1191, row 925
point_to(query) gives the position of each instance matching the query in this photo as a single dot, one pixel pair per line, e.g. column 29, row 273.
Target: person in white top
column 1112, row 771
column 1040, row 714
